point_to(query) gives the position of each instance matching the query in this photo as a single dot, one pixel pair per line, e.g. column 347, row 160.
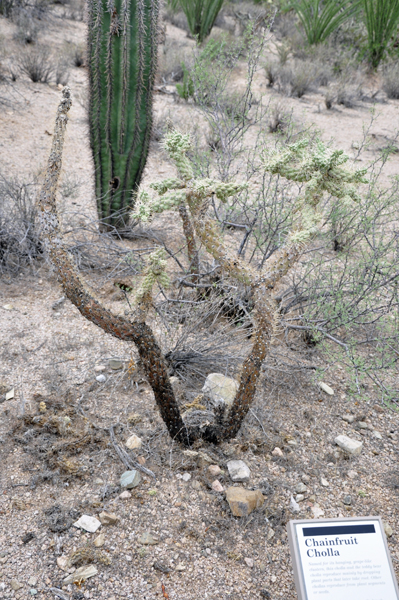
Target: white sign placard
column 342, row 559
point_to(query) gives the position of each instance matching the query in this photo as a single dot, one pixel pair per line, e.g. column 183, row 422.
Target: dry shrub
column 298, row 78
column 171, row 60
column 37, row 64
column 27, row 28
column 390, row 81
column 178, row 19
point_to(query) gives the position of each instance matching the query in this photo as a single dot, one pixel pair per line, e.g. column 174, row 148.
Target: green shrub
column 381, row 18
column 186, row 88
column 320, row 19
column 201, row 15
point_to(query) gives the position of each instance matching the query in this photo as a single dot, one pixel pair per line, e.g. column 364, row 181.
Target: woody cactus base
column 195, row 197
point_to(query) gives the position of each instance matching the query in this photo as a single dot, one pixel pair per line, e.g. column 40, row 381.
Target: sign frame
column 296, row 556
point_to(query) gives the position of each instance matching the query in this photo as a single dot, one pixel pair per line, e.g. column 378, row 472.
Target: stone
column 180, row 567
column 101, row 378
column 10, row 395
column 220, row 389
column 90, row 524
column 350, row 446
column 58, row 303
column 326, row 388
column 347, row 500
column 108, row 518
column 238, row 470
column 99, row 541
column 134, row 418
column 348, row 418
column 362, row 425
column 214, row 470
column 217, row 486
column 270, row 533
column 8, row 307
column 277, row 452
column 249, row 562
column 292, row 443
column 81, row 574
column 186, row 477
column 16, row 585
column 300, row 498
column 134, row 442
column 99, row 368
column 388, row 529
column 242, row 502
column 115, row 364
column 130, row 479
column 317, row 511
column 147, row 540
column 32, row 581
column 125, row 495
column 62, row 562
column 204, row 460
column 191, row 453
column 196, row 485
column 98, row 481
column 33, row 591
column 294, row 506
column 324, row 482
column 352, row 474
column 377, row 435
column 301, row 488
column 305, row 478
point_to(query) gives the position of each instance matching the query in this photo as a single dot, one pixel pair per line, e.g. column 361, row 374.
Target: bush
column 381, row 18
column 62, row 71
column 200, row 14
column 37, row 65
column 27, row 28
column 78, row 55
column 390, row 81
column 320, row 19
column 299, row 78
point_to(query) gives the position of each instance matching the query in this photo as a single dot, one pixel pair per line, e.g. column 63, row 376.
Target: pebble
column 347, row 500
column 300, row 488
column 214, row 470
column 101, row 378
column 130, row 479
column 292, row 443
column 217, row 486
column 125, row 495
column 249, row 562
column 242, row 502
column 32, row 581
column 33, row 591
column 81, row 574
column 300, row 498
column 238, row 470
column 99, row 541
column 186, row 477
column 10, row 394
column 98, row 481
column 317, row 511
column 108, row 518
column 348, row 418
column 99, row 368
column 350, row 446
column 352, row 474
column 294, row 506
column 62, row 562
column 115, row 364
column 8, row 307
column 388, row 529
column 58, row 303
column 362, row 425
column 377, row 435
column 16, row 585
column 147, row 540
column 204, row 460
column 326, row 388
column 324, row 482
column 270, row 533
column 90, row 524
column 134, row 442
column 220, row 389
column 305, row 478
column 277, row 452
column 196, row 485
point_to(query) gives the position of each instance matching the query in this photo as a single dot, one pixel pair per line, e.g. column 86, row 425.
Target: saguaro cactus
column 122, row 49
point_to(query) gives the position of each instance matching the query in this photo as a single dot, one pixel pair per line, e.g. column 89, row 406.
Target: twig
column 125, row 458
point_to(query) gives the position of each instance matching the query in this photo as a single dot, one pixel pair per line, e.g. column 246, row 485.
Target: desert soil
column 51, row 358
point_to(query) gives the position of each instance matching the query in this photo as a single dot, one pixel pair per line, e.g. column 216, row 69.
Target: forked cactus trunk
column 122, row 58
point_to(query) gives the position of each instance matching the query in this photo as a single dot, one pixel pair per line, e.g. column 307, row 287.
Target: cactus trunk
column 122, row 49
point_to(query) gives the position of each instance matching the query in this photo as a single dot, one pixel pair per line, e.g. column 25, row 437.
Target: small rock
column 265, row 594
column 98, row 481
column 134, row 442
column 204, row 460
column 294, row 506
column 350, row 446
column 273, row 579
column 242, row 502
column 32, row 581
column 317, row 511
column 99, row 368
column 217, row 486
column 101, row 378
column 108, row 518
column 324, row 482
column 186, row 477
column 191, row 453
column 214, row 470
column 134, row 418
column 238, row 470
column 305, row 478
column 180, row 567
column 99, row 541
column 130, row 479
column 15, row 585
column 347, row 500
column 147, row 540
column 348, row 418
column 90, row 524
column 125, row 495
column 300, row 488
column 277, row 452
column 220, row 389
column 115, row 364
column 196, row 485
column 33, row 591
column 377, row 435
column 352, row 474
column 378, row 408
column 388, row 529
column 62, row 562
column 362, row 425
column 270, row 533
column 58, row 303
column 249, row 562
column 326, row 388
column 81, row 574
column 8, row 307
column 300, row 498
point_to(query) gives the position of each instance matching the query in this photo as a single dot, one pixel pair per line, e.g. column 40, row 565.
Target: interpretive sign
column 342, row 559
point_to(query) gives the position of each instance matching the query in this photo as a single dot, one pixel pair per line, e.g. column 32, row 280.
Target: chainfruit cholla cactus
column 322, row 171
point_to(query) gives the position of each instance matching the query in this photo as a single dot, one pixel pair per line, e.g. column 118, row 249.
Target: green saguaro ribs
column 122, row 49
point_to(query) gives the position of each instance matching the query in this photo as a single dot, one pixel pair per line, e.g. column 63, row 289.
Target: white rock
column 348, row 418
column 62, row 562
column 10, row 394
column 134, row 442
column 81, row 574
column 301, row 488
column 214, row 470
column 238, row 470
column 377, row 435
column 326, row 388
column 99, row 368
column 350, row 446
column 186, row 477
column 352, row 474
column 217, row 486
column 294, row 506
column 388, row 529
column 220, row 389
column 125, row 495
column 317, row 511
column 90, row 524
column 277, row 452
column 324, row 482
column 101, row 378
column 249, row 562
column 270, row 533
column 300, row 497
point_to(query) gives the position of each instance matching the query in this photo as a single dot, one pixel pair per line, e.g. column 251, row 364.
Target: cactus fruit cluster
column 122, row 60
